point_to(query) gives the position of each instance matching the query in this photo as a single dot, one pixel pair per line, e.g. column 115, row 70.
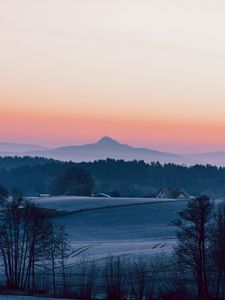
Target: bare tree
column 115, row 275
column 24, row 235
column 86, row 277
column 193, row 239
column 53, row 254
column 142, row 276
column 217, row 248
column 58, row 251
column 173, row 280
column 64, row 254
column 3, row 195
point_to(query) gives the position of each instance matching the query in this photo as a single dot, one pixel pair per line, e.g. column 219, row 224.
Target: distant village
column 162, row 193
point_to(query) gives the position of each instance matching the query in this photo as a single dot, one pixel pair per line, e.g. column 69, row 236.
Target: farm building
column 172, row 193
column 101, row 195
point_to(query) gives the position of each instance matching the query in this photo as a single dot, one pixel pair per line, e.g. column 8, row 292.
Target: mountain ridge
column 110, row 142
column 107, row 147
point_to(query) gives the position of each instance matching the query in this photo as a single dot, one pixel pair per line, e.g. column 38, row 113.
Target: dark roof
column 173, row 193
column 101, row 195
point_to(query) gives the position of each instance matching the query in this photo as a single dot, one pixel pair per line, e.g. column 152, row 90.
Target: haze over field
column 148, row 72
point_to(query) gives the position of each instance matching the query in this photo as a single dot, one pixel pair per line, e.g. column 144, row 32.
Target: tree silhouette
column 193, row 239
column 73, row 181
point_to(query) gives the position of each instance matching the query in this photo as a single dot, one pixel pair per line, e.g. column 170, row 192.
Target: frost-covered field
column 117, row 227
column 72, row 203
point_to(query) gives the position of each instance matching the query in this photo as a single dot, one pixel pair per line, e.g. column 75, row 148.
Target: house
column 44, row 195
column 101, row 195
column 172, row 193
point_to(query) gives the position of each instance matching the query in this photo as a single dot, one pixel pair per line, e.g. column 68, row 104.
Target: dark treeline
column 132, row 179
column 10, row 162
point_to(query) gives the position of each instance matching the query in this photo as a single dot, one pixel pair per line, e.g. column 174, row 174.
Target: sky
column 150, row 73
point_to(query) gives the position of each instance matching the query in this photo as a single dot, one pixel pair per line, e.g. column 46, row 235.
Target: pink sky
column 149, row 73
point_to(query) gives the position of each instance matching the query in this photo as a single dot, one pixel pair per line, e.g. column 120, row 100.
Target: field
column 72, row 204
column 115, row 227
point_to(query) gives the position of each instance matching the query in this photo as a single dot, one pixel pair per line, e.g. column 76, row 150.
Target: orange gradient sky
column 146, row 72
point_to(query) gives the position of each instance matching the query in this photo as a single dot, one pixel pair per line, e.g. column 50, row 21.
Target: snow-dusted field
column 144, row 221
column 115, row 227
column 72, row 203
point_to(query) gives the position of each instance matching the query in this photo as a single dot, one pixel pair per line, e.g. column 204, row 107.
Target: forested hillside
column 134, row 178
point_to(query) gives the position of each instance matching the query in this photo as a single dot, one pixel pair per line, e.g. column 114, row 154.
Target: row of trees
column 50, row 177
column 130, row 178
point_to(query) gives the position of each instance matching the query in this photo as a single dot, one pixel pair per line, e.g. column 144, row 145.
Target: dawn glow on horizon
column 149, row 73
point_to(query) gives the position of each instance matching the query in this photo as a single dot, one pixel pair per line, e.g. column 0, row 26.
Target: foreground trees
column 194, row 238
column 201, row 245
column 26, row 240
column 217, row 251
column 23, row 239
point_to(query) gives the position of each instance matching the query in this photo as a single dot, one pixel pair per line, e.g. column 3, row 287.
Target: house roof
column 102, row 195
column 173, row 193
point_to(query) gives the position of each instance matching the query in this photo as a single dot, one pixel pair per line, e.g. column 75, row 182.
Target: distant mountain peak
column 107, row 140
